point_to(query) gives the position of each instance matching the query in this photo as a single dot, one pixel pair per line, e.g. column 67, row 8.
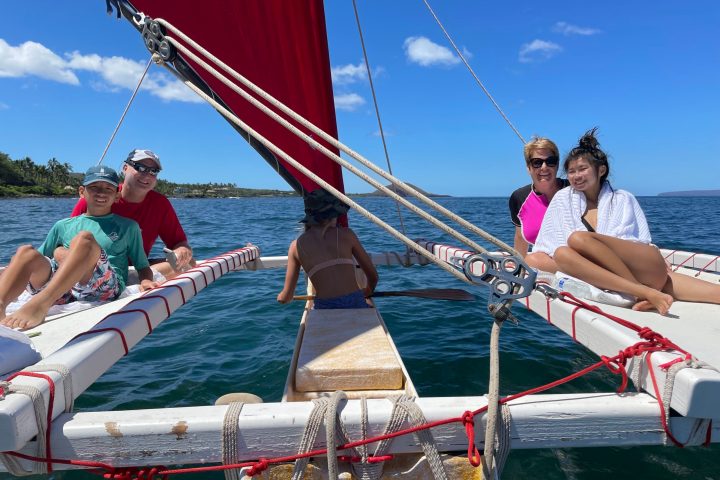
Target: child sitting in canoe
column 92, row 264
column 328, row 252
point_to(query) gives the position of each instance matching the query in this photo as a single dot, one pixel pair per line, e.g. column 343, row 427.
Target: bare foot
column 28, row 316
column 643, row 306
column 656, row 300
column 2, row 311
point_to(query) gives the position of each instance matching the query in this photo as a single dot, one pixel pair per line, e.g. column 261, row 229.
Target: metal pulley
column 154, row 37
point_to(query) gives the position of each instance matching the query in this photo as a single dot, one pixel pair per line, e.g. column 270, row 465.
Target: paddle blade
column 455, row 294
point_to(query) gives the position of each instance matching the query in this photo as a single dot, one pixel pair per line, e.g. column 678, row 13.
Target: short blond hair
column 539, row 143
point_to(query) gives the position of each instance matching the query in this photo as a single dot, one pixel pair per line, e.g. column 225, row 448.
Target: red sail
column 279, row 45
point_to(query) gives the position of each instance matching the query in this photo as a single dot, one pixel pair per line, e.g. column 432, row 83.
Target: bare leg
column 575, row 264
column 27, row 265
column 541, row 261
column 78, row 266
column 633, row 261
column 691, row 289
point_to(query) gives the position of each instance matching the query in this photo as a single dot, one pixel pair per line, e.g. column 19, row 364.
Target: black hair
column 588, row 148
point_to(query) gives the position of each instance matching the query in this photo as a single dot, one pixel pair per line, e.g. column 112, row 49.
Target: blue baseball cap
column 101, row 173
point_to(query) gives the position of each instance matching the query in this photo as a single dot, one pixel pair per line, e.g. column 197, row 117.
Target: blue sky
column 646, row 72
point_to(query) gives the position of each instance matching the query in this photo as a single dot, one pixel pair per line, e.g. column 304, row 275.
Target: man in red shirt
column 150, row 209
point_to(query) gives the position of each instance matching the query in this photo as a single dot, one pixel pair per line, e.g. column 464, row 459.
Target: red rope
column 706, row 265
column 468, row 421
column 677, row 267
column 106, row 329
column 132, row 310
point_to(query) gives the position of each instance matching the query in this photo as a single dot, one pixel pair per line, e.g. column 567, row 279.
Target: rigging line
column 127, row 107
column 321, row 148
column 377, row 109
column 497, row 107
column 321, row 133
column 307, row 172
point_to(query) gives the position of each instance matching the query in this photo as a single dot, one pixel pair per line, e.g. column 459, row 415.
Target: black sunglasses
column 551, row 162
column 143, row 168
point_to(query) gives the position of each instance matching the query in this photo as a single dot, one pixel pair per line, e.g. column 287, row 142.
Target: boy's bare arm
column 146, row 279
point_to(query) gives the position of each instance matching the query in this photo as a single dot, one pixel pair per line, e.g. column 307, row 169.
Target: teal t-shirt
column 119, row 236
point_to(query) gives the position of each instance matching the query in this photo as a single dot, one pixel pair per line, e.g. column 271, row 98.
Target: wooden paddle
column 456, row 294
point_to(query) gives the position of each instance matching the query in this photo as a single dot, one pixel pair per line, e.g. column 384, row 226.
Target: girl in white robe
column 600, row 236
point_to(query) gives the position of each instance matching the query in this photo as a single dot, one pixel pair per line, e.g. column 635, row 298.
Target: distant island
column 691, row 193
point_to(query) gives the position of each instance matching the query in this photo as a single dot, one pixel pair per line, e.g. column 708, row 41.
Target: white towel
column 619, row 215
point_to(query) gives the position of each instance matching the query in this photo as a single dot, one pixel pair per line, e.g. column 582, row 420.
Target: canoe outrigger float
column 347, row 391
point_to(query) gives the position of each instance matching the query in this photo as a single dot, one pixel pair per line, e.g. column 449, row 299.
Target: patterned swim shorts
column 102, row 286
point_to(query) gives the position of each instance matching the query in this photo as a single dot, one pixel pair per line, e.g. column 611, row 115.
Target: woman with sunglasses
column 529, row 203
column 150, row 209
column 600, row 235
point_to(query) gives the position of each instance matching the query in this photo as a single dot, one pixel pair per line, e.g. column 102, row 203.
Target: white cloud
column 568, row 29
column 424, row 52
column 125, row 73
column 349, row 73
column 348, row 102
column 34, row 59
column 4, row 106
column 538, row 50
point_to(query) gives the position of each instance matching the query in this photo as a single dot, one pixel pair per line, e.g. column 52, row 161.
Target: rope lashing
column 43, row 419
column 230, row 438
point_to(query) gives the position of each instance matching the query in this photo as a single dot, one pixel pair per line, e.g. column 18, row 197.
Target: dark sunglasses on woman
column 551, row 162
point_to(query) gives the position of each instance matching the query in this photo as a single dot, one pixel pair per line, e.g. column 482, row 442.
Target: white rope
column 307, row 172
column 127, row 107
column 322, row 134
column 488, row 461
column 12, row 464
column 700, row 426
column 309, row 435
column 462, row 57
column 230, row 434
column 65, row 376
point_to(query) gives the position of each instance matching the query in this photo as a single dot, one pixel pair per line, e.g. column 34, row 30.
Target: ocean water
column 234, row 336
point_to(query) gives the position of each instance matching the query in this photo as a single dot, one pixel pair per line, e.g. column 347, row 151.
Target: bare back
column 328, row 259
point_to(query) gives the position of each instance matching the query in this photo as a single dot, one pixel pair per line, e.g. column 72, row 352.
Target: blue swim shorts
column 351, row 300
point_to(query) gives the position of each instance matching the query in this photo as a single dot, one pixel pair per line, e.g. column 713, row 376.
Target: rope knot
column 151, row 473
column 468, row 420
column 121, row 474
column 616, row 365
column 647, row 333
column 258, row 467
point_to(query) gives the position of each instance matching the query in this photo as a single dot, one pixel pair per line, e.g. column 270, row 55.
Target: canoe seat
column 346, row 349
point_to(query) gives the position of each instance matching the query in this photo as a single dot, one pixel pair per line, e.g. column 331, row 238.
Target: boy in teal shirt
column 83, row 258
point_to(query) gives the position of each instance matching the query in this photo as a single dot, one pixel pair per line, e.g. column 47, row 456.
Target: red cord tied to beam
column 468, row 420
column 258, row 467
column 616, row 365
column 134, row 473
